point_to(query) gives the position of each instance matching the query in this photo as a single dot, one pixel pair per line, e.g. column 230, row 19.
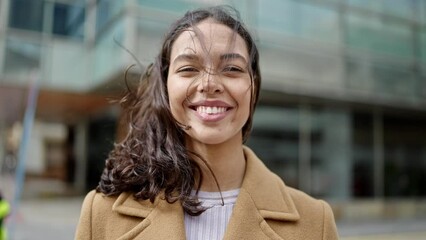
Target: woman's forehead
column 211, row 38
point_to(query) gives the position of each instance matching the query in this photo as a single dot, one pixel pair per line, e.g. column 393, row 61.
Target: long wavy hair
column 152, row 159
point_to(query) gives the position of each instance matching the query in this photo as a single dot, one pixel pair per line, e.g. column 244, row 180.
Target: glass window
column 359, row 74
column 405, row 155
column 422, row 83
column 395, row 80
column 107, row 52
column 106, row 10
column 331, row 145
column 421, row 11
column 363, row 155
column 148, row 33
column 62, row 55
column 375, row 5
column 275, row 139
column 68, row 20
column 423, row 46
column 383, row 79
column 405, row 9
column 26, row 14
column 178, row 6
column 299, row 19
column 371, row 34
column 21, row 57
column 100, row 138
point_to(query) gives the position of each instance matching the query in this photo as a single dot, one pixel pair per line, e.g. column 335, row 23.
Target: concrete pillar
column 305, row 175
column 80, row 151
column 3, row 131
column 4, row 16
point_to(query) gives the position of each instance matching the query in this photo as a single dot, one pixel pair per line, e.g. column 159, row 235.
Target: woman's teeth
column 211, row 110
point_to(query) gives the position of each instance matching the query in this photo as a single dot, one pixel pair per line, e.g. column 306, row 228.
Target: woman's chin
column 212, row 137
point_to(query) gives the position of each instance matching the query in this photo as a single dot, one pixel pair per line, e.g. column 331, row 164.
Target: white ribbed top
column 211, row 224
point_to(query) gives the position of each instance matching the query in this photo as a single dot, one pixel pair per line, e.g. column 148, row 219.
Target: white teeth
column 211, row 110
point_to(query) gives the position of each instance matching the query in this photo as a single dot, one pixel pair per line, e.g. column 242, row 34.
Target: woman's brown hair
column 152, row 159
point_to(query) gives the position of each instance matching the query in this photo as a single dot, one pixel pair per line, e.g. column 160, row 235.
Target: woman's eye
column 232, row 69
column 187, row 69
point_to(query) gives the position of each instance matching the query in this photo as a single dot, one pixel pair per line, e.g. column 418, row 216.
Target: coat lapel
column 161, row 220
column 246, row 221
column 262, row 197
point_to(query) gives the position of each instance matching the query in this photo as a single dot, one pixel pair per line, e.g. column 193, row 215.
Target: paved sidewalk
column 391, row 236
column 404, row 229
column 45, row 219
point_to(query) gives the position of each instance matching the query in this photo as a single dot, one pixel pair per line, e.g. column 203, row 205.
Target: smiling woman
column 209, row 84
column 182, row 171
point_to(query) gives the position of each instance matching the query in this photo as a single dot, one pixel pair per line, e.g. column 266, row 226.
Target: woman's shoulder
column 310, row 207
column 98, row 200
column 124, row 203
column 303, row 198
column 107, row 217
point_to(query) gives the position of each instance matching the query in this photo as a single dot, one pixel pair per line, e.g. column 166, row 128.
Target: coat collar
column 267, row 191
column 161, row 220
column 263, row 195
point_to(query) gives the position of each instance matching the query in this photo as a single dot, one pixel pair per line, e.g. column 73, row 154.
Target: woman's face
column 209, row 84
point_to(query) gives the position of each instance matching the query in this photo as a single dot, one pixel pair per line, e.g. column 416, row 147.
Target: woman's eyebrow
column 186, row 57
column 229, row 56
column 193, row 57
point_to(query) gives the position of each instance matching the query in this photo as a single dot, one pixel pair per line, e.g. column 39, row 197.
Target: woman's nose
column 210, row 83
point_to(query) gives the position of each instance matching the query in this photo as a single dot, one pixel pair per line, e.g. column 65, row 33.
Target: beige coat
column 265, row 209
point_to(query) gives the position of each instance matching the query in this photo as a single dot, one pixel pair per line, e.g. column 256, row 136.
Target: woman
column 182, row 171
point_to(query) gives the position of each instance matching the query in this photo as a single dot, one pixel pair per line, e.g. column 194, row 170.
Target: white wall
column 36, row 161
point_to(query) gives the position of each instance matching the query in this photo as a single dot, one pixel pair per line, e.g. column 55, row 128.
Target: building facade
column 342, row 114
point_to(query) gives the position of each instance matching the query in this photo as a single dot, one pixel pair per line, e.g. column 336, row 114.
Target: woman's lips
column 211, row 111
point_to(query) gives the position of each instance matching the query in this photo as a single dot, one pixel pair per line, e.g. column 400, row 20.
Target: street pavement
column 390, row 229
column 56, row 218
column 46, row 219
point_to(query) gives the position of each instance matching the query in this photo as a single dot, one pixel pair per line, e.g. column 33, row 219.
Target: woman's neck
column 226, row 161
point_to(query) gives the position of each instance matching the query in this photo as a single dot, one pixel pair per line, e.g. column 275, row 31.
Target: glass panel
column 423, row 46
column 331, row 153
column 384, row 37
column 421, row 11
column 21, row 57
column 395, row 81
column 63, row 55
column 108, row 53
column 299, row 19
column 149, row 33
column 105, row 11
column 363, row 155
column 405, row 156
column 400, row 8
column 359, row 75
column 422, row 83
column 386, row 80
column 275, row 139
column 26, row 14
column 100, row 138
column 177, row 6
column 68, row 20
column 366, row 4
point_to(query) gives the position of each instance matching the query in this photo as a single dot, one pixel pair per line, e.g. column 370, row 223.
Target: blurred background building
column 342, row 114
